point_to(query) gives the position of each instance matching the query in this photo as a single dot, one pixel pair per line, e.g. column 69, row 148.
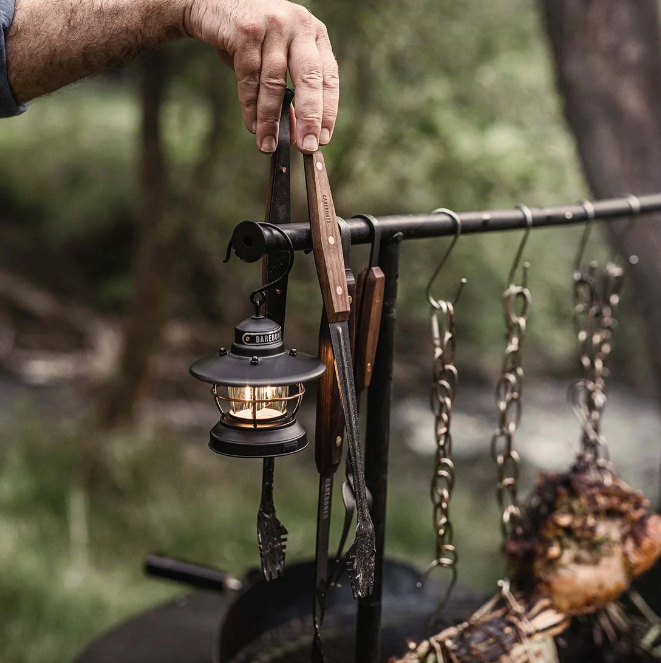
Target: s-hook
column 455, row 217
column 590, row 214
column 443, row 391
column 636, row 207
column 525, row 210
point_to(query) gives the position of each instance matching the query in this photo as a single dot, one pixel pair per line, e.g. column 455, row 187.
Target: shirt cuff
column 8, row 105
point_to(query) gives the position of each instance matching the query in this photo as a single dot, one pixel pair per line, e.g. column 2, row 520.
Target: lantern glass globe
column 258, row 403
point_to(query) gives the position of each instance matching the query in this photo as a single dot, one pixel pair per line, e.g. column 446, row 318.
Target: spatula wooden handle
column 371, row 284
column 326, row 240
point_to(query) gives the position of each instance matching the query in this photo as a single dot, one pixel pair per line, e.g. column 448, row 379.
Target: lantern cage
column 258, row 406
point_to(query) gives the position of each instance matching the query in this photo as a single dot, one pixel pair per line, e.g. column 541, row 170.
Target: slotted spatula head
column 272, row 537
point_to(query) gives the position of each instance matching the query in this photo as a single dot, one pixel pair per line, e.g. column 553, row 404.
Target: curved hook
column 447, row 594
column 375, row 229
column 457, row 220
column 517, row 258
column 258, row 302
column 634, row 204
column 262, row 290
column 590, row 214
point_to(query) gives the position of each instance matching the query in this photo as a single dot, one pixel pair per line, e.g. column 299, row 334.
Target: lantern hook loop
column 258, row 296
column 436, row 304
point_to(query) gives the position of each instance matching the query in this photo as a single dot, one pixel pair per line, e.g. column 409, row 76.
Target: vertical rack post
column 379, row 402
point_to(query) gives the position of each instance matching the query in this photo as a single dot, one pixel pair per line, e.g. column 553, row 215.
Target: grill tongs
column 329, row 259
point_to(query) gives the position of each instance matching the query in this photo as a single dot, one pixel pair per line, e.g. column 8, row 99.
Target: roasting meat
column 583, row 539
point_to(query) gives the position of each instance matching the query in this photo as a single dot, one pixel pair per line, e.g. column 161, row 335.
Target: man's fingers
column 307, row 74
column 247, row 66
column 261, row 39
column 272, row 84
column 331, row 86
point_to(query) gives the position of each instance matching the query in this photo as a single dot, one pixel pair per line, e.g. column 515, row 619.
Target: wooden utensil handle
column 326, row 240
column 329, row 435
column 329, row 429
column 370, row 288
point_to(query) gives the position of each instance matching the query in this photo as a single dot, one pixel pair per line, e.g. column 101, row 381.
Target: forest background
column 118, row 197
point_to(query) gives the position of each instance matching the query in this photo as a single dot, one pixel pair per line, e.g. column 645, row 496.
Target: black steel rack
column 252, row 241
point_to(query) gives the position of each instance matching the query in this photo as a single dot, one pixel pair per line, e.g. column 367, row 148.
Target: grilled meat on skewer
column 583, row 538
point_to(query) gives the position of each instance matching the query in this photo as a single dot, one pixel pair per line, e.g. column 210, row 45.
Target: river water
column 549, row 432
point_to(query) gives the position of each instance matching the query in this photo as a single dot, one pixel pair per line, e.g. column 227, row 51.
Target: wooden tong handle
column 329, row 435
column 326, row 240
column 369, row 289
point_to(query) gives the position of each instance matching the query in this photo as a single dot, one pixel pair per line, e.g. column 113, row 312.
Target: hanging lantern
column 258, row 387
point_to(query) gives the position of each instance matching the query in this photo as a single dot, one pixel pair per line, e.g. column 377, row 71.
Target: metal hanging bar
column 251, row 242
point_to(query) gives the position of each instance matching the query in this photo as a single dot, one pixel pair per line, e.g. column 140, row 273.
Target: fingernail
column 254, row 127
column 268, row 144
column 310, row 143
column 324, row 137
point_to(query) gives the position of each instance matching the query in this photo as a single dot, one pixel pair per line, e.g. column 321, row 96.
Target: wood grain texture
column 330, row 415
column 326, row 240
column 370, row 288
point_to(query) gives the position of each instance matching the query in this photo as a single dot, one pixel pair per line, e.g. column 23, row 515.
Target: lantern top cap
column 257, row 336
column 257, row 358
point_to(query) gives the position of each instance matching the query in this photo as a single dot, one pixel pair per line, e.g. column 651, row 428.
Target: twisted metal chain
column 516, row 306
column 445, row 380
column 596, row 299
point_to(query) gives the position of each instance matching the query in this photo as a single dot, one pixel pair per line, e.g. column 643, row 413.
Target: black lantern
column 258, row 387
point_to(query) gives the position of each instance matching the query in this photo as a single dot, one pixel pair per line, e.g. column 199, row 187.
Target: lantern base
column 258, row 443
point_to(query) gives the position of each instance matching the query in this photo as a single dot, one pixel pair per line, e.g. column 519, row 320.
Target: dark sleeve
column 8, row 105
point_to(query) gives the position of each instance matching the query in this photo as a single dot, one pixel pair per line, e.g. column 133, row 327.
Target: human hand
column 262, row 40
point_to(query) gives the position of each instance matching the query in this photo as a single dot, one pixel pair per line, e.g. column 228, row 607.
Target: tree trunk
column 157, row 243
column 608, row 66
